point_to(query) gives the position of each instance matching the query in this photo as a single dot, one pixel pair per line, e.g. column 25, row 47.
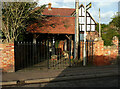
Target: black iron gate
column 47, row 54
column 43, row 54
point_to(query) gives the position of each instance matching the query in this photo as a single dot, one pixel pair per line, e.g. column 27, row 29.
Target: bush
column 108, row 36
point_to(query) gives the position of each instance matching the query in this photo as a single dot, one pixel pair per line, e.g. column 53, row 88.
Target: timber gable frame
column 90, row 24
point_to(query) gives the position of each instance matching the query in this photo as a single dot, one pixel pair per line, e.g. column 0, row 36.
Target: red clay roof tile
column 59, row 11
column 55, row 25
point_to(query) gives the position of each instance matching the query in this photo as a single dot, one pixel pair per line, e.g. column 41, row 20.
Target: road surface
column 96, row 82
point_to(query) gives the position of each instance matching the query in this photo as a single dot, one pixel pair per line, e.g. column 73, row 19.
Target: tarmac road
column 96, row 82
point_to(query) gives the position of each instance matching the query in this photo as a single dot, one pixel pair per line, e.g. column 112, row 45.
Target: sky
column 107, row 9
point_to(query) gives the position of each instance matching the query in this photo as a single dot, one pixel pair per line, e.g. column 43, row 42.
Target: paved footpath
column 47, row 75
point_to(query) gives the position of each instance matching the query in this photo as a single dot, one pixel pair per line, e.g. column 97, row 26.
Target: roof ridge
column 55, row 8
column 62, row 8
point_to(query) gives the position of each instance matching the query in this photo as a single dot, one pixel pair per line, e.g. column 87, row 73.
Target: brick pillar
column 7, row 57
column 114, row 48
column 98, row 49
column 115, row 41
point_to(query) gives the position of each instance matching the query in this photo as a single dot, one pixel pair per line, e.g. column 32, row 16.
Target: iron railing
column 45, row 54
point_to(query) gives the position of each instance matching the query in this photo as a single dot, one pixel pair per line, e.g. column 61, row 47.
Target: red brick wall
column 92, row 35
column 98, row 48
column 99, row 54
column 112, row 51
column 104, row 55
column 7, row 57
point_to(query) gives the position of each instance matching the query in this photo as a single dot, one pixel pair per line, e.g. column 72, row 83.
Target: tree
column 16, row 16
column 108, row 36
column 116, row 22
column 102, row 27
column 108, row 32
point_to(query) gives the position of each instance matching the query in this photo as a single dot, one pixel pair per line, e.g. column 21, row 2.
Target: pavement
column 53, row 75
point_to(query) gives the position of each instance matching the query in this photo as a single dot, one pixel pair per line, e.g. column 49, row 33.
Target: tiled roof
column 55, row 25
column 60, row 22
column 58, row 11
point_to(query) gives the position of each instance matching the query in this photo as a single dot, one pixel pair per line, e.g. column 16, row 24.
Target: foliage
column 53, row 25
column 66, row 26
column 108, row 36
column 16, row 16
column 116, row 21
column 66, row 23
column 108, row 32
column 102, row 27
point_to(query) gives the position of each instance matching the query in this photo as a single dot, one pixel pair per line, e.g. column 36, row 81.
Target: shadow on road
column 86, row 77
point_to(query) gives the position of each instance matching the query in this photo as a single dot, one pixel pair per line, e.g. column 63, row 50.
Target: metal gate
column 28, row 54
column 47, row 54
